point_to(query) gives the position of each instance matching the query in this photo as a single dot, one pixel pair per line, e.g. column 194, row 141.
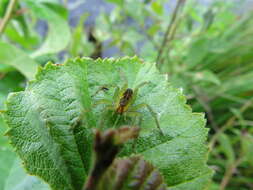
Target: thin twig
column 180, row 3
column 229, row 172
column 7, row 15
column 229, row 123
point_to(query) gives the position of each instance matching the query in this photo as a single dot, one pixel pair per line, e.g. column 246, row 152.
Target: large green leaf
column 58, row 35
column 51, row 122
column 12, row 56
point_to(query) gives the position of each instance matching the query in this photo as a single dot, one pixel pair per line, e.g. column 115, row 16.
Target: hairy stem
column 7, row 15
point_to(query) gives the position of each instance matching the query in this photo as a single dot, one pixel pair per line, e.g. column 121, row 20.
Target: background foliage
column 206, row 50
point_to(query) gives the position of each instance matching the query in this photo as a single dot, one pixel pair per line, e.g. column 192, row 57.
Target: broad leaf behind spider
column 51, row 123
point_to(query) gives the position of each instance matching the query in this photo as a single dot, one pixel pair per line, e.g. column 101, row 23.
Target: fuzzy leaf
column 51, row 122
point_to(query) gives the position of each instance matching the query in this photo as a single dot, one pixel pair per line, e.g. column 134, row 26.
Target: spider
column 124, row 103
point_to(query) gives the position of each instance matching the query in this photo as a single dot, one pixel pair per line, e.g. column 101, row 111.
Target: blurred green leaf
column 10, row 55
column 227, row 148
column 10, row 82
column 207, row 76
column 237, row 113
column 14, row 35
column 58, row 36
column 7, row 156
column 247, row 148
column 80, row 46
column 19, row 180
column 3, row 6
column 157, row 7
column 117, row 2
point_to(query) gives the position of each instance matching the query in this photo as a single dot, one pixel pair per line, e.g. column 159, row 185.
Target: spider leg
column 116, row 94
column 101, row 88
column 101, row 101
column 153, row 113
column 141, row 85
column 136, row 89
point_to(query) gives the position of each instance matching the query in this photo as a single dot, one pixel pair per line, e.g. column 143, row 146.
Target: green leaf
column 7, row 156
column 79, row 44
column 247, row 148
column 3, row 6
column 157, row 7
column 51, row 122
column 207, row 76
column 227, row 148
column 12, row 56
column 58, row 36
column 10, row 82
column 19, row 180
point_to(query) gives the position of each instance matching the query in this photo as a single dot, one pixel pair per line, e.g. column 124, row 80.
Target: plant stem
column 180, row 3
column 229, row 173
column 7, row 15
